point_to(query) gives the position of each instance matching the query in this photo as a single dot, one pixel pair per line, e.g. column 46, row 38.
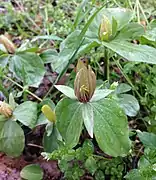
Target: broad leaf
column 69, row 50
column 122, row 88
column 130, row 31
column 66, row 90
column 132, row 52
column 28, row 67
column 49, row 56
column 129, row 104
column 148, row 139
column 50, row 142
column 69, row 120
column 91, row 165
column 4, row 60
column 12, row 139
column 151, row 32
column 88, row 147
column 134, row 174
column 26, row 113
column 87, row 114
column 111, row 128
column 41, row 120
column 32, row 172
column 100, row 94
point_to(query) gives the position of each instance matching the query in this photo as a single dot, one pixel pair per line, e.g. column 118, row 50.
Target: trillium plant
column 92, row 108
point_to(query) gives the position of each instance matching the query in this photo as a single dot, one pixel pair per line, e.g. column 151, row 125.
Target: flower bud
column 105, row 29
column 114, row 85
column 49, row 113
column 9, row 46
column 5, row 109
column 85, row 82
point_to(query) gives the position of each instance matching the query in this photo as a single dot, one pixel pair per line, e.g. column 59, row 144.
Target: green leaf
column 151, row 32
column 122, row 88
column 132, row 52
column 69, row 120
column 67, row 47
column 41, row 120
column 26, row 113
column 70, row 54
column 12, row 139
column 12, row 102
column 47, row 101
column 99, row 175
column 28, row 67
column 32, row 172
column 114, row 27
column 3, row 119
column 129, row 104
column 91, row 165
column 66, row 90
column 88, row 147
column 49, row 56
column 130, row 32
column 50, row 142
column 148, row 139
column 100, row 94
column 87, row 114
column 4, row 60
column 111, row 128
column 134, row 174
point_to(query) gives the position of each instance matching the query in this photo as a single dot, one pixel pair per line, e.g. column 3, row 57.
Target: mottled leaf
column 69, row 120
column 111, row 128
column 12, row 138
column 26, row 113
column 32, row 172
column 129, row 104
column 66, row 90
column 87, row 114
column 28, row 67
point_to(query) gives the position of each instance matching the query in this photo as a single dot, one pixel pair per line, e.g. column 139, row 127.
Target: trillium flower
column 9, row 46
column 5, row 109
column 105, row 29
column 85, row 94
column 85, row 82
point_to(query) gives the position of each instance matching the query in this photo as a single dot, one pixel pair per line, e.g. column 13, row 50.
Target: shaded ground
column 10, row 167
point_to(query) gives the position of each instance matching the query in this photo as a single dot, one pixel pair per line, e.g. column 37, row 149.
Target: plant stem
column 127, row 78
column 106, row 67
column 101, row 157
column 130, row 83
column 26, row 90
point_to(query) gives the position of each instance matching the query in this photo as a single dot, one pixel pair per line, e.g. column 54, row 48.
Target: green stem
column 106, row 67
column 127, row 78
column 26, row 90
column 101, row 157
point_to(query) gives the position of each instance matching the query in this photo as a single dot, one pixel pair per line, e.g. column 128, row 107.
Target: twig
column 26, row 90
column 35, row 145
